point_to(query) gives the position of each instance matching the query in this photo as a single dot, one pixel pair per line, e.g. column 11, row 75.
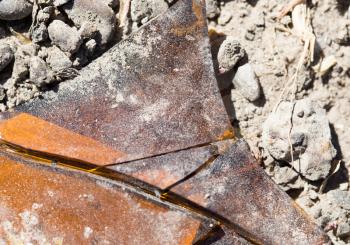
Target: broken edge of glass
column 138, row 149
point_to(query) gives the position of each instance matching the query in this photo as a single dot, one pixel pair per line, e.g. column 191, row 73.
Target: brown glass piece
column 153, row 93
column 151, row 103
column 32, row 133
column 235, row 187
column 165, row 170
column 52, row 204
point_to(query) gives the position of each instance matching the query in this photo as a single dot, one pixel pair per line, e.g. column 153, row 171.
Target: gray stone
column 39, row 72
column 15, row 9
column 45, row 14
column 225, row 17
column 212, row 7
column 309, row 136
column 304, row 201
column 65, row 37
column 340, row 198
column 24, row 93
column 230, row 52
column 22, row 58
column 2, row 94
column 344, row 186
column 39, row 33
column 343, row 230
column 284, row 175
column 144, row 10
column 6, row 55
column 20, row 69
column 94, row 18
column 247, row 83
column 57, row 59
column 343, row 36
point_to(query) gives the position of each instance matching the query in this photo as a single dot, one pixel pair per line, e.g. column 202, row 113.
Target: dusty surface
column 274, row 53
column 33, row 58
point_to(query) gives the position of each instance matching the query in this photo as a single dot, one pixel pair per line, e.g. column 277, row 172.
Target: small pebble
column 57, row 59
column 230, row 52
column 65, row 37
column 6, row 56
column 344, row 186
column 212, row 7
column 246, row 82
column 39, row 33
column 300, row 114
column 343, row 230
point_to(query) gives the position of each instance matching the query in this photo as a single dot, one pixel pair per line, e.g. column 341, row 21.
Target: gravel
column 247, row 83
column 65, row 37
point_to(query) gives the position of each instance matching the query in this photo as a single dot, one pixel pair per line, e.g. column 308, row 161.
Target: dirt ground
column 300, row 58
column 274, row 52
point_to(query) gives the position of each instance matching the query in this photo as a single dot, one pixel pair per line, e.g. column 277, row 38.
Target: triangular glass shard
column 153, row 93
column 45, row 205
column 235, row 187
column 152, row 103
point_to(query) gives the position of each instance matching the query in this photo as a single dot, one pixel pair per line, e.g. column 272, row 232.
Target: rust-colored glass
column 138, row 149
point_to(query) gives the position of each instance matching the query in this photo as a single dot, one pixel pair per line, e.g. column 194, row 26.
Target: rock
column 22, row 58
column 284, row 175
column 250, row 33
column 45, row 14
column 39, row 33
column 310, row 137
column 60, row 2
column 144, row 10
column 276, row 131
column 95, row 19
column 39, row 72
column 313, row 195
column 90, row 46
column 212, row 7
column 315, row 211
column 225, row 17
column 85, row 52
column 6, row 55
column 24, row 93
column 246, row 82
column 65, row 37
column 343, row 230
column 304, row 202
column 343, row 35
column 340, row 198
column 230, row 52
column 57, row 59
column 2, row 94
column 344, row 186
column 15, row 9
